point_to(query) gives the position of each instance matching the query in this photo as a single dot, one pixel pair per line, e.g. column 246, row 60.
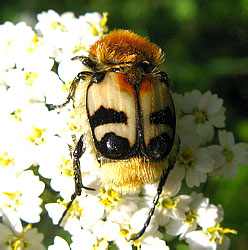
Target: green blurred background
column 206, row 45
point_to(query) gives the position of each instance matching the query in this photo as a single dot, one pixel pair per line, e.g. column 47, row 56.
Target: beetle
column 130, row 115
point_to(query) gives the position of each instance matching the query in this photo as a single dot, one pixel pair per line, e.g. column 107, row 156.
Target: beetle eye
column 147, row 67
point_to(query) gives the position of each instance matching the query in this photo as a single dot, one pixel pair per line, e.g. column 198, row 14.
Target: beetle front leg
column 80, row 76
column 78, row 152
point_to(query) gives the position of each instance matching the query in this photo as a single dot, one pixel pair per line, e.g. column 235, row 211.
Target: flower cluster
column 36, row 70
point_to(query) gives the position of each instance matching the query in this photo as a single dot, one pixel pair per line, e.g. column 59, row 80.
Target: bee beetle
column 130, row 114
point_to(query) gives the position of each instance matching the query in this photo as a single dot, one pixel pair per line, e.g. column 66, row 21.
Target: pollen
column 109, row 198
column 228, row 154
column 191, row 216
column 5, row 160
column 186, row 158
column 75, row 210
column 217, row 233
column 167, row 203
column 13, row 199
column 35, row 44
column 104, row 19
column 30, row 77
column 57, row 25
column 200, row 116
column 17, row 115
column 101, row 244
column 66, row 167
column 18, row 242
column 36, row 136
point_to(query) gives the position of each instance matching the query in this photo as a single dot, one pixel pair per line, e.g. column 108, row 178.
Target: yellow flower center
column 18, row 242
column 168, row 203
column 9, row 44
column 101, row 245
column 75, row 210
column 216, row 233
column 30, row 78
column 13, row 199
column 34, row 44
column 228, row 154
column 66, row 167
column 5, row 160
column 109, row 198
column 17, row 115
column 57, row 25
column 190, row 218
column 200, row 116
column 36, row 136
column 104, row 19
column 186, row 158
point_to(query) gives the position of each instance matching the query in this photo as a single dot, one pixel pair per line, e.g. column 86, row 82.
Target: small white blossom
column 204, row 240
column 106, row 230
column 85, row 239
column 205, row 111
column 212, row 235
column 19, row 195
column 193, row 162
column 28, row 238
column 154, row 243
column 70, row 36
column 228, row 155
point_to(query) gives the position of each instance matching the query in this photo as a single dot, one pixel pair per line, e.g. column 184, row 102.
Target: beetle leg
column 78, row 152
column 80, row 76
column 155, row 201
column 88, row 62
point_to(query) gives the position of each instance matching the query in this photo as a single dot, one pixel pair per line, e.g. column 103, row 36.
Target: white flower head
column 28, row 238
column 68, row 35
column 19, row 195
column 205, row 111
column 212, row 235
column 228, row 155
column 194, row 163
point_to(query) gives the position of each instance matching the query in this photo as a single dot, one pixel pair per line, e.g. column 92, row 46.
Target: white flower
column 204, row 111
column 19, row 195
column 153, row 243
column 169, row 205
column 228, row 155
column 200, row 213
column 85, row 211
column 28, row 238
column 34, row 84
column 212, row 235
column 85, row 239
column 106, row 230
column 194, row 163
column 204, row 240
column 59, row 243
column 70, row 36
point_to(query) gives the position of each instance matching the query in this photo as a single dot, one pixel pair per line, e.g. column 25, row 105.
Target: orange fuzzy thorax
column 125, row 46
